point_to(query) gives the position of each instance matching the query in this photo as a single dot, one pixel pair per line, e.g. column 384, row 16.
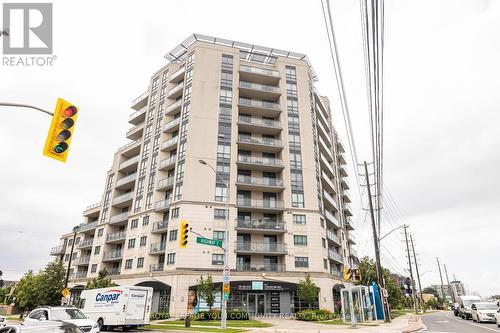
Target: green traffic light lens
column 60, row 147
column 67, row 123
column 70, row 111
column 64, row 135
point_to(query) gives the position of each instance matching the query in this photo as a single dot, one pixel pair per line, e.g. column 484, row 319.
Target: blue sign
column 257, row 285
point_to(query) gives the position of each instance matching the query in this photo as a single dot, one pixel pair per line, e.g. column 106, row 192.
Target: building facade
column 253, row 115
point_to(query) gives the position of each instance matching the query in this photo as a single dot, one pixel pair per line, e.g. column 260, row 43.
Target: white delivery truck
column 120, row 306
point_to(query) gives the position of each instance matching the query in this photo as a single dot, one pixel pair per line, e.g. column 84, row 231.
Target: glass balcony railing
column 248, row 267
column 86, row 243
column 261, row 87
column 260, row 141
column 112, row 255
column 166, row 182
column 160, row 226
column 260, row 225
column 259, row 181
column 157, row 267
column 119, row 218
column 163, row 204
column 82, row 260
column 129, row 162
column 116, row 236
column 256, row 203
column 123, row 198
column 334, row 256
column 270, row 123
column 56, row 250
column 260, row 71
column 158, row 248
column 331, row 235
column 125, row 180
column 255, row 103
column 260, row 247
column 260, row 160
column 167, row 162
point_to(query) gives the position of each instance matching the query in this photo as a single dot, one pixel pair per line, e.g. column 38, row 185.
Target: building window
column 325, row 263
column 219, row 235
column 149, row 200
column 175, row 213
column 290, row 73
column 298, row 200
column 299, row 219
column 97, row 250
column 128, row 263
column 140, row 262
column 134, row 223
column 138, row 202
column 70, row 242
column 217, row 259
column 66, row 257
column 321, row 222
column 131, row 243
column 221, row 193
column 301, row 262
column 93, row 268
column 323, row 243
column 178, row 191
column 145, row 220
column 100, row 232
column 219, row 213
column 77, row 240
column 171, row 259
column 299, row 240
column 223, row 152
column 295, row 160
column 172, row 235
column 143, row 241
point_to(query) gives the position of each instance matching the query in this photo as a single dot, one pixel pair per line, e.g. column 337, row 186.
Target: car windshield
column 468, row 302
column 67, row 314
column 491, row 306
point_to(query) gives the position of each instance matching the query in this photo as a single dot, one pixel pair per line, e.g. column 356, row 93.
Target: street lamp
column 226, row 237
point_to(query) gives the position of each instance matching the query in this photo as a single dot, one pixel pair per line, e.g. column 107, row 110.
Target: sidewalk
column 402, row 324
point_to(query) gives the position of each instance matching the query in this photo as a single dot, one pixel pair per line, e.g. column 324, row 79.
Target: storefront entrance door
column 256, row 303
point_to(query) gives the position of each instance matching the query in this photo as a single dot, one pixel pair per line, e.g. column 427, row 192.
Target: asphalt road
column 446, row 322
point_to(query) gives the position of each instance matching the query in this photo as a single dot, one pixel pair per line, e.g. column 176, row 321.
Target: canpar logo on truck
column 110, row 296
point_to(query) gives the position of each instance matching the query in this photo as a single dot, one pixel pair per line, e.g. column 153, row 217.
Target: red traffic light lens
column 60, row 147
column 70, row 111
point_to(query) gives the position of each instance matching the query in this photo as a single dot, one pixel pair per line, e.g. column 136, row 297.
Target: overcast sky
column 442, row 144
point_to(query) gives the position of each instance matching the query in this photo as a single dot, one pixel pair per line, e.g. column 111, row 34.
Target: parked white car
column 483, row 312
column 65, row 314
column 497, row 317
column 3, row 321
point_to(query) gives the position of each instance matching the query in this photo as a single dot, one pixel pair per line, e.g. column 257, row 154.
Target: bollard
column 187, row 321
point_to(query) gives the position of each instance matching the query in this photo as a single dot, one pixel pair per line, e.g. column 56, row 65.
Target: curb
column 422, row 327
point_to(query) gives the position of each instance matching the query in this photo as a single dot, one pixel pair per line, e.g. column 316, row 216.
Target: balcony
column 340, row 147
column 126, row 182
column 260, row 226
column 248, row 267
column 140, row 101
column 260, row 205
column 259, row 75
column 117, row 237
column 115, row 255
column 331, row 218
column 87, row 227
column 336, row 272
column 138, row 116
column 351, row 239
column 114, row 271
column 344, row 183
column 346, row 197
column 129, row 164
column 159, row 227
column 325, row 150
column 165, row 184
column 326, row 166
column 119, row 218
column 92, row 210
column 170, row 143
column 86, row 243
column 353, row 252
column 163, row 205
column 58, row 250
column 130, row 149
column 260, row 163
column 341, row 159
column 176, row 91
column 259, row 125
column 328, row 183
column 82, row 261
column 157, row 267
column 259, row 144
column 177, row 75
column 332, row 254
column 262, row 248
column 259, row 184
column 135, row 133
column 172, row 125
column 158, row 248
column 257, row 107
column 80, row 275
column 331, row 235
column 167, row 163
column 123, row 200
column 347, row 209
column 343, row 171
column 173, row 107
column 348, row 225
column 259, row 91
column 329, row 202
column 324, row 134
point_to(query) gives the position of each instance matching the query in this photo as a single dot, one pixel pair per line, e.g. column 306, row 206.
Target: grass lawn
column 190, row 329
column 397, row 313
column 332, row 322
column 230, row 323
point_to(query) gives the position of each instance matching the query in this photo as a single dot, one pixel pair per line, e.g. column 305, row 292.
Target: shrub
column 159, row 316
column 207, row 315
column 315, row 315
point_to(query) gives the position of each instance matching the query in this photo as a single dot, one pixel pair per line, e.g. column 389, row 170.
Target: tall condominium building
column 252, row 114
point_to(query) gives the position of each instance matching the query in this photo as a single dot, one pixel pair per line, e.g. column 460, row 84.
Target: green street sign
column 206, row 241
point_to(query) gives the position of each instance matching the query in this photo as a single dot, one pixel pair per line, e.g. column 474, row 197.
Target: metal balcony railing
column 120, row 235
column 261, row 87
column 332, row 236
column 255, row 103
column 82, row 260
column 260, row 71
column 260, row 141
column 157, row 267
column 165, row 182
column 157, row 248
column 123, row 198
column 260, row 224
column 248, row 267
column 87, row 226
column 256, row 203
column 334, row 256
column 86, row 243
column 167, row 162
column 163, row 204
column 56, row 250
column 160, row 226
column 170, row 142
column 260, row 122
column 260, row 160
column 112, row 255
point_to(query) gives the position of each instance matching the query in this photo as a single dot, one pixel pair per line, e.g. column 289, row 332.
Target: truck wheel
column 126, row 328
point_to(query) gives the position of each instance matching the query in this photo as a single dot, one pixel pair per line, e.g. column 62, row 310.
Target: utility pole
column 380, row 277
column 448, row 281
column 442, row 284
column 75, row 230
column 418, row 274
column 413, row 292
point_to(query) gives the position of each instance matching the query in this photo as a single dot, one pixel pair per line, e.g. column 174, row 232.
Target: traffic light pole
column 75, row 230
column 26, row 106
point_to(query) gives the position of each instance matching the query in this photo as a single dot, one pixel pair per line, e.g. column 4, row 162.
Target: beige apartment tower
column 253, row 115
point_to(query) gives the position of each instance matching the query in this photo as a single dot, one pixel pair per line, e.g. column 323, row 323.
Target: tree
column 429, row 290
column 308, row 290
column 368, row 273
column 206, row 290
column 101, row 281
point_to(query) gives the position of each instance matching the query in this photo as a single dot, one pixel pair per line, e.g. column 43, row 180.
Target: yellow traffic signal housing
column 347, row 273
column 184, row 234
column 61, row 130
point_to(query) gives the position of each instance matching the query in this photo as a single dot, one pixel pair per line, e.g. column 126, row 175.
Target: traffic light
column 357, row 274
column 61, row 130
column 183, row 239
column 347, row 273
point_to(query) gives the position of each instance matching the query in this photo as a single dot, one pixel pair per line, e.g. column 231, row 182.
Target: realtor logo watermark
column 27, row 34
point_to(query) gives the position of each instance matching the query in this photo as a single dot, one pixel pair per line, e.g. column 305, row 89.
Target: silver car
column 483, row 312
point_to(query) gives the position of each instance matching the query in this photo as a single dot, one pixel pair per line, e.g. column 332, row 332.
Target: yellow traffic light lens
column 60, row 147
column 67, row 123
column 70, row 111
column 64, row 135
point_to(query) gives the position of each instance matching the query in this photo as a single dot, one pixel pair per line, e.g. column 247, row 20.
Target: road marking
column 442, row 321
column 480, row 326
